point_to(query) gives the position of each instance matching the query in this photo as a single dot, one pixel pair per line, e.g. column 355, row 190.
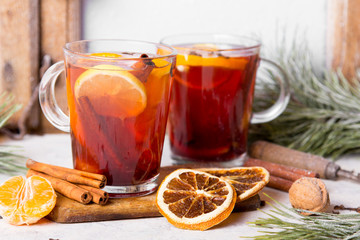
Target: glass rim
column 257, row 43
column 67, row 49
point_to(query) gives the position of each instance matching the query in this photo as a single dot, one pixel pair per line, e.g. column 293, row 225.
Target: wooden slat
column 60, row 23
column 19, row 52
column 344, row 36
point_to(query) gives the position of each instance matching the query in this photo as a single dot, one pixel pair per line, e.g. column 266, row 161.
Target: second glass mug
column 212, row 96
column 118, row 94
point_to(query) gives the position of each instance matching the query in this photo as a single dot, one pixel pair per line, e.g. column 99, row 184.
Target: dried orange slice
column 112, row 91
column 195, row 200
column 247, row 181
column 26, row 201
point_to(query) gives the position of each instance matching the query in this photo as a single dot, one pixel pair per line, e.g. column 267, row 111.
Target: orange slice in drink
column 26, row 201
column 219, row 61
column 107, row 55
column 206, row 46
column 247, row 181
column 195, row 200
column 112, row 91
column 209, row 55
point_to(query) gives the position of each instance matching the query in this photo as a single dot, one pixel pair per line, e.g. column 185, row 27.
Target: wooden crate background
column 19, row 52
column 60, row 23
column 30, row 29
column 343, row 36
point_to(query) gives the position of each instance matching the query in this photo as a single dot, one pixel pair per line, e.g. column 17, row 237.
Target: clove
column 342, row 207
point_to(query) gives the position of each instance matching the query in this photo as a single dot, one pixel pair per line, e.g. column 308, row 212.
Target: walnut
column 309, row 194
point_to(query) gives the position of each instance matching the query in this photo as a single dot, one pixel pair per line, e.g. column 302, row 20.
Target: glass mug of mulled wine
column 118, row 94
column 212, row 96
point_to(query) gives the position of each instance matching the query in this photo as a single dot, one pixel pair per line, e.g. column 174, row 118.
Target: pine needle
column 323, row 115
column 11, row 163
column 286, row 223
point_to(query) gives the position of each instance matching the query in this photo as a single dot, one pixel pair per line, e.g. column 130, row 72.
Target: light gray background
column 151, row 20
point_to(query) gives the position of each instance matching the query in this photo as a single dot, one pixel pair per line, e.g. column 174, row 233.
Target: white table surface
column 55, row 149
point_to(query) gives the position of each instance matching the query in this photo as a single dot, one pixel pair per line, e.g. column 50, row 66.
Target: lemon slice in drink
column 112, row 91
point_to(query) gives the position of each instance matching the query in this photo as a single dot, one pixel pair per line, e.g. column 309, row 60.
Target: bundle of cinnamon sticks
column 281, row 176
column 81, row 186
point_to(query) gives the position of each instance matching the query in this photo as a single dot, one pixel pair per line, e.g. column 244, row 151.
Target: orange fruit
column 195, row 200
column 208, row 54
column 217, row 61
column 112, row 91
column 107, row 55
column 25, row 201
column 247, row 181
column 206, row 46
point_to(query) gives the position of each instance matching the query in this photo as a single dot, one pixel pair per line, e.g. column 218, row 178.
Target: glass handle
column 47, row 99
column 280, row 105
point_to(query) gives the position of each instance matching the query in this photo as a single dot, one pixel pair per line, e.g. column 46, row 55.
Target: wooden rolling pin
column 277, row 154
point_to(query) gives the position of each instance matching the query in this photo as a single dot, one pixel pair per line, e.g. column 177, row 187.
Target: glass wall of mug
column 212, row 96
column 118, row 94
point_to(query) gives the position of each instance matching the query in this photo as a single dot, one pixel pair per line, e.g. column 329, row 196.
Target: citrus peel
column 195, row 200
column 247, row 181
column 112, row 91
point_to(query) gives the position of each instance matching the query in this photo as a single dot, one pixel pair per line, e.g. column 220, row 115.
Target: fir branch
column 7, row 108
column 286, row 223
column 10, row 162
column 323, row 115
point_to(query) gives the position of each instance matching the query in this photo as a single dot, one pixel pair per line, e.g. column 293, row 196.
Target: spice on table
column 280, row 170
column 65, row 188
column 280, row 183
column 67, row 174
column 99, row 196
column 281, row 176
column 342, row 207
column 278, row 154
column 81, row 186
column 309, row 194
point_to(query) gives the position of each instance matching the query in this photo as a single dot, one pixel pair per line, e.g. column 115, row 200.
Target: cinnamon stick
column 91, row 120
column 279, row 183
column 143, row 67
column 271, row 152
column 98, row 196
column 279, row 170
column 65, row 188
column 67, row 174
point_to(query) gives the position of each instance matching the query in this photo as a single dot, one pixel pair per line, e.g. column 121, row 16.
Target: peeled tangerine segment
column 25, row 201
column 111, row 91
column 195, row 200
